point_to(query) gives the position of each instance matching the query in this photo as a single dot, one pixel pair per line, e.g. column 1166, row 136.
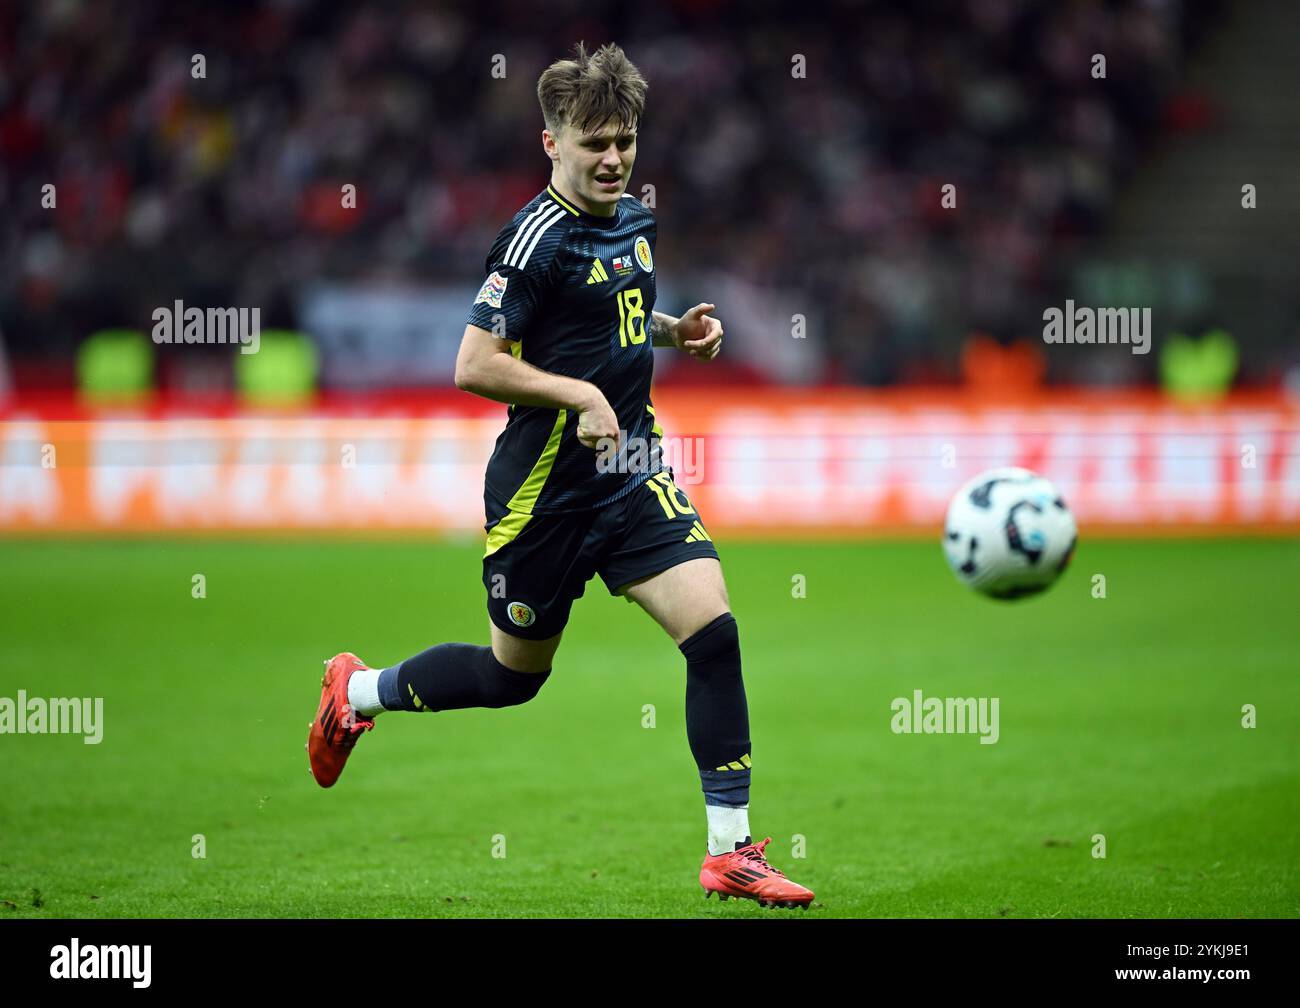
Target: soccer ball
column 1008, row 533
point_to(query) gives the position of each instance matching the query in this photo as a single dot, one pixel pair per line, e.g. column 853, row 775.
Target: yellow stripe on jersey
column 516, row 351
column 556, row 196
column 656, row 430
column 506, row 530
column 526, row 496
column 520, row 508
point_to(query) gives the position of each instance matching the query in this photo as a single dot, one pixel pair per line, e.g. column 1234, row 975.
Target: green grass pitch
column 1119, row 716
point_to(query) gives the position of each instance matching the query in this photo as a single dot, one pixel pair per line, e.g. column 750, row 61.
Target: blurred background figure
column 797, row 162
column 882, row 199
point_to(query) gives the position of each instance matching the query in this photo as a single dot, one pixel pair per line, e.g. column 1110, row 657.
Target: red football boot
column 746, row 874
column 336, row 728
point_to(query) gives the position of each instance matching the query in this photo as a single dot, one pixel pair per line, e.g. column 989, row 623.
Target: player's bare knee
column 519, row 654
column 522, row 661
column 688, row 626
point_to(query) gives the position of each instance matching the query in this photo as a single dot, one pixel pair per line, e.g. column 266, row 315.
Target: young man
column 563, row 330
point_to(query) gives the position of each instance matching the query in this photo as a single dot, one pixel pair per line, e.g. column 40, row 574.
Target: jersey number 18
column 631, row 317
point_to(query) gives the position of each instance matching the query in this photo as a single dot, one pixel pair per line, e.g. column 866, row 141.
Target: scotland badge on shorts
column 521, row 615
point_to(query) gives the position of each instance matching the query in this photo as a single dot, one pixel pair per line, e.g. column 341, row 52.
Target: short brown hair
column 590, row 89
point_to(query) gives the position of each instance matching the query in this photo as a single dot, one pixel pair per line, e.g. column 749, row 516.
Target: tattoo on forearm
column 661, row 333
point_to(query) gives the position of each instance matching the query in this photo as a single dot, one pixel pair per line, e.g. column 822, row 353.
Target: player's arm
column 661, row 329
column 696, row 332
column 486, row 366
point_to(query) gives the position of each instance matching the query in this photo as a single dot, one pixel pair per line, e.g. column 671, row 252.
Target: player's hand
column 597, row 420
column 698, row 333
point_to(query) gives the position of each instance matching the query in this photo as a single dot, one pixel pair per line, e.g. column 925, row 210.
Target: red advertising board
column 832, row 461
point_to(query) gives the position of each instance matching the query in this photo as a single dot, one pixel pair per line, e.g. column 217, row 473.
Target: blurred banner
column 375, row 337
column 785, row 462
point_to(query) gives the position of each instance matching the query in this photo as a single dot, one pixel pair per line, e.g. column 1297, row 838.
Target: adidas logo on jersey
column 598, row 274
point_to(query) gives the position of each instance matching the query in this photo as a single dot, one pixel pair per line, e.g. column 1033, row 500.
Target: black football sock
column 717, row 718
column 453, row 677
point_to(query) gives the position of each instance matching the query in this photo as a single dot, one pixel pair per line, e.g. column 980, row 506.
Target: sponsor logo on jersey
column 493, row 289
column 598, row 274
column 520, row 614
column 623, row 265
column 643, row 257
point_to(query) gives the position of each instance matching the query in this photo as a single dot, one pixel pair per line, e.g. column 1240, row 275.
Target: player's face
column 593, row 168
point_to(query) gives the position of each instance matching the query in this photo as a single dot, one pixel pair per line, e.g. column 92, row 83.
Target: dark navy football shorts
column 537, row 565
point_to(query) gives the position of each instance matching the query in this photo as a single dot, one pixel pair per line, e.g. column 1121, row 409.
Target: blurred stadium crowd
column 820, row 192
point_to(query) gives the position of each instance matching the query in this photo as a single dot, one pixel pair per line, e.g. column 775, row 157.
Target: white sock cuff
column 363, row 692
column 727, row 827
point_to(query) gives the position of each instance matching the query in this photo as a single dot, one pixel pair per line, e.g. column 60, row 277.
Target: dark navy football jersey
column 574, row 293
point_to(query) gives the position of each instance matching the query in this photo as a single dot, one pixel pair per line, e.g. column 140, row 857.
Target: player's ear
column 549, row 145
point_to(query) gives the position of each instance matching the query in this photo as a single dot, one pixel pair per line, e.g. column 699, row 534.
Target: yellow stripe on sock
column 744, row 763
